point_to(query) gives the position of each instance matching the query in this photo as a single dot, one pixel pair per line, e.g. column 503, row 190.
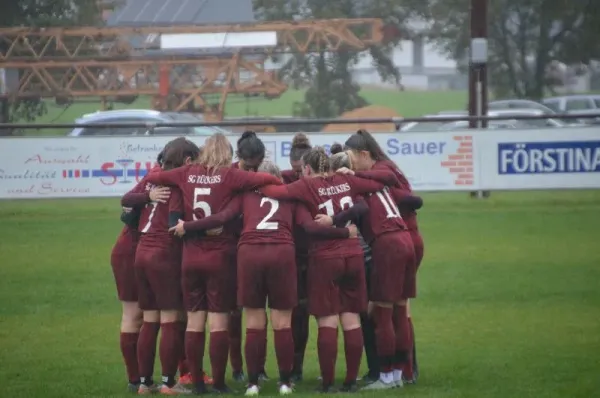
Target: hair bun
column 362, row 131
column 301, row 141
column 247, row 134
column 336, row 148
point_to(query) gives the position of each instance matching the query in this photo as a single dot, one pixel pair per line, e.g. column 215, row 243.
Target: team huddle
column 206, row 240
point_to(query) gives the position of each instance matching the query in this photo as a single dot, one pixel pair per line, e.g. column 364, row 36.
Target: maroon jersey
column 327, row 195
column 300, row 237
column 154, row 220
column 383, row 216
column 263, row 225
column 410, row 217
column 205, row 192
column 289, row 176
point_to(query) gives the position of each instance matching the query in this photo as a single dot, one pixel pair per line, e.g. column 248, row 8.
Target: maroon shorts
column 336, row 285
column 267, row 271
column 393, row 267
column 417, row 240
column 158, row 278
column 302, row 278
column 209, row 279
column 122, row 262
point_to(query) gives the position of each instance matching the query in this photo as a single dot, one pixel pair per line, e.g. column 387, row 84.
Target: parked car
column 434, row 125
column 519, row 104
column 568, row 103
column 576, row 104
column 141, row 116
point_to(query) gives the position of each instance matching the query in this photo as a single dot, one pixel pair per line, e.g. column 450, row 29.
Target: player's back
column 266, row 220
column 154, row 220
column 383, row 216
column 330, row 195
column 409, row 217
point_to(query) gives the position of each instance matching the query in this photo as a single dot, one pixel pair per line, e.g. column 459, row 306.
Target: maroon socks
column 128, row 343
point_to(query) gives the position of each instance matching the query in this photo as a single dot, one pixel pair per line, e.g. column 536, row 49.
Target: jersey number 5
column 265, row 223
column 200, row 204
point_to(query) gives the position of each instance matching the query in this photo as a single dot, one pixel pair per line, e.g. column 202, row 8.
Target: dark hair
column 363, row 141
column 317, row 159
column 336, row 148
column 300, row 146
column 177, row 151
column 249, row 146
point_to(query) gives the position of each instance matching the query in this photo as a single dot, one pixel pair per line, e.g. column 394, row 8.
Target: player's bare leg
column 195, row 338
column 218, row 323
column 281, row 321
column 131, row 322
column 327, row 351
column 146, row 351
column 382, row 314
column 353, row 349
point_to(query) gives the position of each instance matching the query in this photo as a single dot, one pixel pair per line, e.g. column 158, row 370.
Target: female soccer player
column 300, row 316
column 266, row 269
column 209, row 266
column 366, row 154
column 158, row 277
column 250, row 152
column 122, row 261
column 336, row 275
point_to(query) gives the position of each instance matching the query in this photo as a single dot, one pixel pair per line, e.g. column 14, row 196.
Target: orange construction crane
column 74, row 63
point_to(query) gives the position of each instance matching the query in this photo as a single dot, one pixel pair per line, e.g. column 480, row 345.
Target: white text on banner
column 540, row 159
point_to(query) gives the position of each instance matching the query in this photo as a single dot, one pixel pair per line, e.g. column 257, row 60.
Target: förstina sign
column 436, row 161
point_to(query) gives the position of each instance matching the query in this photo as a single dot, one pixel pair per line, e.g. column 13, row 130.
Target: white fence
column 65, row 167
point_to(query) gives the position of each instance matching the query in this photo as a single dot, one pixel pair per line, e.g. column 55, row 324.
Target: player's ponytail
column 362, row 140
column 317, row 160
column 300, row 146
column 249, row 146
column 217, row 152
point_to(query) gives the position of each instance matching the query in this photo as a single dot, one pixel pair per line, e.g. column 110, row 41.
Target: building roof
column 134, row 13
column 181, row 12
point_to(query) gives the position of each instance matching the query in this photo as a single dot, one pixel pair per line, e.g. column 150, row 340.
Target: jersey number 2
column 265, row 223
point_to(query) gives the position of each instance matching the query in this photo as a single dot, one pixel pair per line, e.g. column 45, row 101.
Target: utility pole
column 478, row 57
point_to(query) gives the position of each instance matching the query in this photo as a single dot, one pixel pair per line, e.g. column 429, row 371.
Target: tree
column 327, row 76
column 528, row 39
column 42, row 13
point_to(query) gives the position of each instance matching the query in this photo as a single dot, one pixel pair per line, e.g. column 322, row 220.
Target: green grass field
column 509, row 299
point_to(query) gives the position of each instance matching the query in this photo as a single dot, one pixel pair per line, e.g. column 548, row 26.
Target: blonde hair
column 269, row 167
column 339, row 160
column 216, row 152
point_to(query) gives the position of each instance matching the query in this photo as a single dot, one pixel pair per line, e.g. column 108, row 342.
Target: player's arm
column 232, row 210
column 405, row 200
column 175, row 207
column 171, row 177
column 352, row 214
column 361, row 186
column 386, row 177
column 131, row 217
column 294, row 191
column 304, row 219
column 241, row 180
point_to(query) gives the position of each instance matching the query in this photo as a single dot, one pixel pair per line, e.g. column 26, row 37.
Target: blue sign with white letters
column 549, row 157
